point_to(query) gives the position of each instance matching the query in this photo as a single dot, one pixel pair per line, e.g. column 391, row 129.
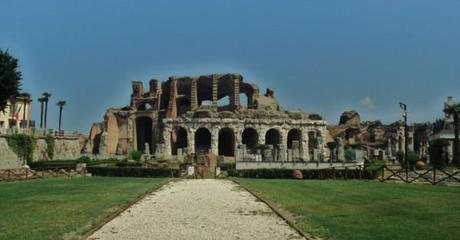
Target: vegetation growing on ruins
column 365, row 210
column 135, row 155
column 49, row 146
column 78, row 205
column 23, row 145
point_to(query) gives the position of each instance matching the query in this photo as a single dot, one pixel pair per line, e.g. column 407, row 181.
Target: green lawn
column 366, row 210
column 68, row 208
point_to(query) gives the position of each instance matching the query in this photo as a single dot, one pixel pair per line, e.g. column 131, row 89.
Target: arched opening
column 145, row 106
column 224, row 101
column 244, row 100
column 226, row 142
column 294, row 139
column 250, row 138
column 202, row 140
column 178, row 140
column 272, row 137
column 144, row 132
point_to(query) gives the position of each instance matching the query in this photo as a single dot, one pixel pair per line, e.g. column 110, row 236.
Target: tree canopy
column 10, row 78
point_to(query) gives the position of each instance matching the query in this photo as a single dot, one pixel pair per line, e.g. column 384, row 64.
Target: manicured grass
column 366, row 210
column 68, row 208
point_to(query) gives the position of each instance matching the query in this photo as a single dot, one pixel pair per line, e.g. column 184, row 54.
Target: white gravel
column 198, row 209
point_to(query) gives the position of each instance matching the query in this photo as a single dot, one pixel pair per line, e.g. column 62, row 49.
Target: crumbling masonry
column 205, row 114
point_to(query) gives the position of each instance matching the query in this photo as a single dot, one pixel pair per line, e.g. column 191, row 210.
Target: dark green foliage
column 84, row 159
column 400, row 156
column 412, row 158
column 375, row 165
column 307, row 174
column 226, row 166
column 126, row 163
column 349, row 154
column 437, row 153
column 133, row 172
column 135, row 155
column 49, row 146
column 23, row 145
column 10, row 77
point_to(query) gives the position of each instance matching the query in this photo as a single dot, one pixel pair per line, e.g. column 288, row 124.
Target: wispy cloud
column 368, row 103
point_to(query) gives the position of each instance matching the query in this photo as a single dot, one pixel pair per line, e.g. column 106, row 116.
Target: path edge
column 275, row 209
column 122, row 209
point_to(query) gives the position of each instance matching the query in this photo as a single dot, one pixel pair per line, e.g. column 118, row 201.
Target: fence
column 27, row 174
column 433, row 175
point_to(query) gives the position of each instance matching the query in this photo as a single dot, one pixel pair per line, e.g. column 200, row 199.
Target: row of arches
column 227, row 141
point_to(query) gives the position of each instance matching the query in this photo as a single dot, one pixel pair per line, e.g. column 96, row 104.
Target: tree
column 25, row 100
column 61, row 105
column 46, row 97
column 42, row 101
column 454, row 110
column 10, row 78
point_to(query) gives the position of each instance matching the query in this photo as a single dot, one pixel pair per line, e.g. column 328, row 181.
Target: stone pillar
column 172, row 106
column 214, row 85
column 167, row 141
column 191, row 141
column 194, row 95
column 215, row 141
column 304, row 154
column 235, row 97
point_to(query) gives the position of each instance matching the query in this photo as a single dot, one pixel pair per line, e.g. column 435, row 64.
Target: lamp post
column 404, row 114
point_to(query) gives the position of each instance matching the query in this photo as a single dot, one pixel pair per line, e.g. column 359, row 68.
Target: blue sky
column 319, row 56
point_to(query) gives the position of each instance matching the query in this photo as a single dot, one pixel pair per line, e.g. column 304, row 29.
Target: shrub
column 412, row 158
column 307, row 174
column 350, row 154
column 400, row 156
column 126, row 163
column 135, row 155
column 437, row 153
column 23, row 145
column 83, row 159
column 133, row 172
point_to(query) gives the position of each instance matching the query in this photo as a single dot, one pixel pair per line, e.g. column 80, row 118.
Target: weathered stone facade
column 185, row 115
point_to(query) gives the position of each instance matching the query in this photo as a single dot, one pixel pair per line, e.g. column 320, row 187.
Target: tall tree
column 10, row 78
column 454, row 110
column 46, row 96
column 25, row 101
column 61, row 105
column 42, row 101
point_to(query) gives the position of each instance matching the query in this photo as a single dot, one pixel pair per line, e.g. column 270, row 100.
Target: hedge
column 133, row 172
column 307, row 174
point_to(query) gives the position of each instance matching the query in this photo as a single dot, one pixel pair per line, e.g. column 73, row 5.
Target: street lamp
column 406, row 142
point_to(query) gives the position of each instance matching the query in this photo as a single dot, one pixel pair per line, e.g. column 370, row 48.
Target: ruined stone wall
column 64, row 149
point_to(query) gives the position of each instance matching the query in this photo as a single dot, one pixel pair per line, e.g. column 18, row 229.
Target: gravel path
column 198, row 209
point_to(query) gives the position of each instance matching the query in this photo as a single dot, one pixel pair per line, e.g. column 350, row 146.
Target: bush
column 437, row 153
column 412, row 158
column 307, row 174
column 126, row 163
column 350, row 154
column 133, row 172
column 83, row 159
column 23, row 145
column 400, row 156
column 135, row 155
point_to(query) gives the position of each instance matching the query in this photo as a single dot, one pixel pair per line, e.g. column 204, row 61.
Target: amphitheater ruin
column 208, row 114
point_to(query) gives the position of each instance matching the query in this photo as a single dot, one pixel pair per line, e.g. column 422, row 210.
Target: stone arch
column 226, row 144
column 273, row 137
column 178, row 139
column 312, row 142
column 250, row 138
column 202, row 140
column 144, row 128
column 294, row 135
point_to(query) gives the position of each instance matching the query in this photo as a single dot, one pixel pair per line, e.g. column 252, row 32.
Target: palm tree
column 42, row 101
column 46, row 96
column 61, row 105
column 454, row 110
column 25, row 100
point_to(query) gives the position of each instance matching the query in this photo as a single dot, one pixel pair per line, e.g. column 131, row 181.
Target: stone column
column 283, row 147
column 215, row 141
column 167, row 141
column 193, row 95
column 235, row 97
column 215, row 90
column 305, row 150
column 191, row 141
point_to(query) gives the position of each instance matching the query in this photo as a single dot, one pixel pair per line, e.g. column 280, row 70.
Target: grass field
column 59, row 208
column 366, row 210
